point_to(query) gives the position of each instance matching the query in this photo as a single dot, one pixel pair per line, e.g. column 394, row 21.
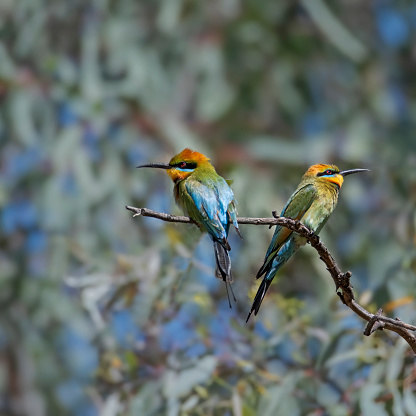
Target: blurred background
column 105, row 314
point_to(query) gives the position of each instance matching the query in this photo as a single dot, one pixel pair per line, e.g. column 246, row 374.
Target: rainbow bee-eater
column 207, row 198
column 312, row 203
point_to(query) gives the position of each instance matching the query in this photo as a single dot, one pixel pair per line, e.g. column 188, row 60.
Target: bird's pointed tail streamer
column 223, row 267
column 261, row 292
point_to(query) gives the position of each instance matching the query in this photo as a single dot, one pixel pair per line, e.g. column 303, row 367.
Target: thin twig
column 341, row 280
column 144, row 212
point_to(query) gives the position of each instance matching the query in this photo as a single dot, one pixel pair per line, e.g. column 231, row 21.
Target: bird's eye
column 328, row 172
column 182, row 165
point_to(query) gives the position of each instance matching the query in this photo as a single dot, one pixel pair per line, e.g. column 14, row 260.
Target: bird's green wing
column 298, row 204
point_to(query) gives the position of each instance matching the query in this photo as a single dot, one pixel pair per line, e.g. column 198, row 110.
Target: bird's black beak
column 351, row 171
column 156, row 165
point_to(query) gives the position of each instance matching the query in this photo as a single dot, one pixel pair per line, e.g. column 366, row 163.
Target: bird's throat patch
column 337, row 180
column 178, row 175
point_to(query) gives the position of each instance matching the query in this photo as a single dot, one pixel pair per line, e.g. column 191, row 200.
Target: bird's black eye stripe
column 184, row 165
column 326, row 172
column 190, row 165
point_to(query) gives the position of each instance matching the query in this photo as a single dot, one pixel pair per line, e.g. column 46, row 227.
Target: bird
column 207, row 198
column 312, row 203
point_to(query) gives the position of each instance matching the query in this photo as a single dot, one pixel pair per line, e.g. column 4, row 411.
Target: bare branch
column 145, row 212
column 341, row 280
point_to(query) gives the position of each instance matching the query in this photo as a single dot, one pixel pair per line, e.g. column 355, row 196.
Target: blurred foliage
column 103, row 314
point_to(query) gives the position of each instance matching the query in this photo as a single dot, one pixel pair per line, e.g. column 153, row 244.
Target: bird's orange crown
column 327, row 173
column 188, row 155
column 184, row 163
